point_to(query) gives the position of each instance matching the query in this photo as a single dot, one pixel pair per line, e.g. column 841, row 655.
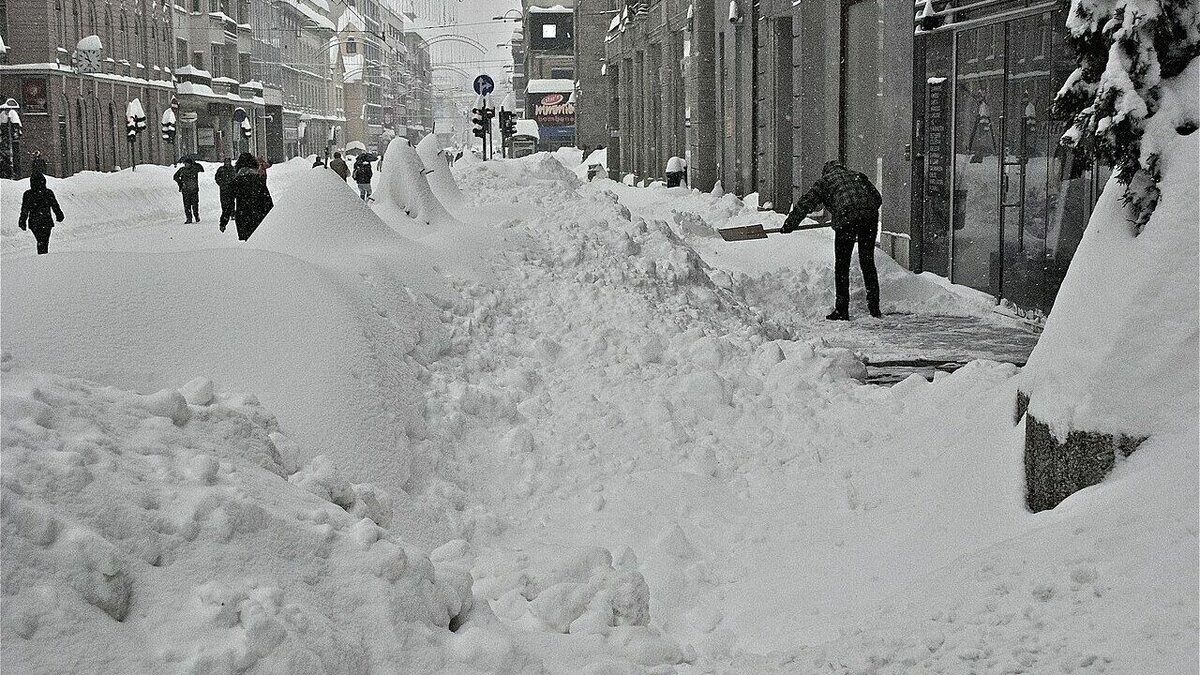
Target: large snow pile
column 404, row 189
column 1120, row 351
column 437, row 172
column 175, row 532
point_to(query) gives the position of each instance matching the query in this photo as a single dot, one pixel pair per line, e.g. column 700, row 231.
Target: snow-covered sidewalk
column 546, row 430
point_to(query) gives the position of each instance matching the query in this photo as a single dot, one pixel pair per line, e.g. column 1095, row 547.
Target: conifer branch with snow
column 1125, row 49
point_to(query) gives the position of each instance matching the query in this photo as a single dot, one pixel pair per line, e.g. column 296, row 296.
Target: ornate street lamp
column 11, row 122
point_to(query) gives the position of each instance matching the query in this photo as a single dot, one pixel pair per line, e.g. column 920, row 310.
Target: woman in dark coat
column 36, row 206
column 251, row 198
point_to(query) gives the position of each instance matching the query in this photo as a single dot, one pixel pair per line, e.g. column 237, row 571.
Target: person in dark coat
column 37, row 164
column 225, row 176
column 339, row 166
column 188, row 178
column 251, row 198
column 36, row 206
column 362, row 176
column 319, row 162
column 853, row 202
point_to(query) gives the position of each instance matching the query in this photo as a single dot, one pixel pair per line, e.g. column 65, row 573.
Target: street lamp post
column 12, row 132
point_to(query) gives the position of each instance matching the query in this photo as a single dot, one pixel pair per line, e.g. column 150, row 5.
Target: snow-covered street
column 505, row 420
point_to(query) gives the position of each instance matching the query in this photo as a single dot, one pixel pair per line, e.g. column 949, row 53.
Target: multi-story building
column 293, row 54
column 953, row 125
column 77, row 121
column 217, row 94
column 419, row 87
column 364, row 56
column 592, row 18
column 549, row 37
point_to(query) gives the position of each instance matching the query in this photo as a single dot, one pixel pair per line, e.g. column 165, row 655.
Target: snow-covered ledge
column 1118, row 360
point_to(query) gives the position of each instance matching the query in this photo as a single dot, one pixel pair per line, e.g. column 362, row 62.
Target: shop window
column 549, row 31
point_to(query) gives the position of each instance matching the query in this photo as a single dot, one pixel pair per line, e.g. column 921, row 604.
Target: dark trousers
column 675, row 178
column 844, row 240
column 226, row 202
column 42, row 236
column 191, row 205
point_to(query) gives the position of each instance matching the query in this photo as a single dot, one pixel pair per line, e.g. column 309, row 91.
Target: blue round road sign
column 484, row 85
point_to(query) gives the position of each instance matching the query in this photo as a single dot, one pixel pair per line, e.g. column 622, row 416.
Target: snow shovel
column 757, row 231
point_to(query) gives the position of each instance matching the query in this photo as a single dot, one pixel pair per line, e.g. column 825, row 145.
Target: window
column 549, row 31
column 196, row 6
column 198, row 60
column 351, row 46
column 562, row 73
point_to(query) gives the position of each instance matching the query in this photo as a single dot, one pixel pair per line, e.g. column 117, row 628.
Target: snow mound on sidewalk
column 404, row 187
column 1119, row 353
column 437, row 169
column 169, row 533
column 315, row 213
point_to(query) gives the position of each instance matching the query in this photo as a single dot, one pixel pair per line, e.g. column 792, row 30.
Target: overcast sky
column 475, row 19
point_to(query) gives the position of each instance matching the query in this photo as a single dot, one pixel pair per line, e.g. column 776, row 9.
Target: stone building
column 549, row 40
column 418, row 120
column 77, row 121
column 591, row 90
column 214, row 85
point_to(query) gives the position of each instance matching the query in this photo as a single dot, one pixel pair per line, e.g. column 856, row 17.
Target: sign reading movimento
column 552, row 110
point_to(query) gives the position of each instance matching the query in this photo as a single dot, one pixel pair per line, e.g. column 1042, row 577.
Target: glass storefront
column 1004, row 205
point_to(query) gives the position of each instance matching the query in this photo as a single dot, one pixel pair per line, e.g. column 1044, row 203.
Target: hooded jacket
column 37, row 205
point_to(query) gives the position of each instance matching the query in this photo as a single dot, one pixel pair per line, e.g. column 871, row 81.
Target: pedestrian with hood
column 319, row 162
column 853, row 203
column 362, row 176
column 37, row 164
column 36, row 206
column 251, row 198
column 188, row 179
column 224, row 177
column 339, row 166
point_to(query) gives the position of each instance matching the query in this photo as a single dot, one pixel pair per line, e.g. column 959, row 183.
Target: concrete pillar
column 702, row 99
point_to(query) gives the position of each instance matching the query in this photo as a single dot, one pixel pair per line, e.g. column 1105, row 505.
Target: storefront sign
column 938, row 163
column 33, row 95
column 552, row 110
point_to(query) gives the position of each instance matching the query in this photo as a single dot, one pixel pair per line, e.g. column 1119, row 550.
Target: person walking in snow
column 36, row 206
column 188, row 179
column 363, row 175
column 339, row 166
column 37, row 164
column 251, row 198
column 263, row 165
column 853, row 202
column 225, row 176
column 319, row 162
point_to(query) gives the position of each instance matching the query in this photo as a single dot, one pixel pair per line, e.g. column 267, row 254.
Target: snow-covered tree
column 1125, row 49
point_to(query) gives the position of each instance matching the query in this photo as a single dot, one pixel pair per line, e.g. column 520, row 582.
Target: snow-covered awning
column 555, row 86
column 527, row 128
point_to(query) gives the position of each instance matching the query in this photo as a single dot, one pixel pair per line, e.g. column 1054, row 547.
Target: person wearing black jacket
column 251, row 198
column 853, row 202
column 37, row 164
column 36, row 207
column 225, row 176
column 188, row 179
column 363, row 174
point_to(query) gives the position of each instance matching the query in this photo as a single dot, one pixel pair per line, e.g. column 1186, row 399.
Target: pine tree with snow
column 1125, row 48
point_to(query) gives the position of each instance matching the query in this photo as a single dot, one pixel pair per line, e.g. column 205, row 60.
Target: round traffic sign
column 484, row 85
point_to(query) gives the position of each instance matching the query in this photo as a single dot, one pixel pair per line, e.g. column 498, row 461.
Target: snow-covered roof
column 556, row 86
column 556, row 9
column 224, row 80
column 528, row 128
column 192, row 70
column 311, row 14
column 350, row 18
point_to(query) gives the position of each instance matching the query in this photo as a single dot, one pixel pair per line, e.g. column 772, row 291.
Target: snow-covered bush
column 1125, row 49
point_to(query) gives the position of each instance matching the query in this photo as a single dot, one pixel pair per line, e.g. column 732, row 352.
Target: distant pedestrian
column 188, row 179
column 263, row 165
column 224, row 177
column 37, row 164
column 363, row 175
column 251, row 198
column 853, row 202
column 319, row 162
column 339, row 166
column 36, row 207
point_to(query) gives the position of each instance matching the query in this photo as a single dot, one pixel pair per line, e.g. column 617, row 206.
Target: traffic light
column 479, row 119
column 508, row 123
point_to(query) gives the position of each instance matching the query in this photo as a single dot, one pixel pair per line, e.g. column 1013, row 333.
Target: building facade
column 77, row 121
column 549, row 36
column 418, row 88
column 591, row 89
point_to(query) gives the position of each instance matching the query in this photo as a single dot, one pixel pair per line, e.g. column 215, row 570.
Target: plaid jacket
column 849, row 196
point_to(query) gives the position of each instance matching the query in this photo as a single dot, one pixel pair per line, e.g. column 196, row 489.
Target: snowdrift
column 404, row 188
column 437, row 172
column 175, row 532
column 1120, row 351
column 336, row 355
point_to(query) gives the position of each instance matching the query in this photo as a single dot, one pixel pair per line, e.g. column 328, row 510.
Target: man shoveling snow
column 854, row 204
